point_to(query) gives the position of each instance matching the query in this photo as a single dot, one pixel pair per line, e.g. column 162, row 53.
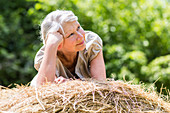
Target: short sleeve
column 94, row 45
column 38, row 58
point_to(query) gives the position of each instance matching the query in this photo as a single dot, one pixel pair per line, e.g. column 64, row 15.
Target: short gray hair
column 54, row 21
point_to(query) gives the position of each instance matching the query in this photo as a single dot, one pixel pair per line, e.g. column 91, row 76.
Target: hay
column 82, row 96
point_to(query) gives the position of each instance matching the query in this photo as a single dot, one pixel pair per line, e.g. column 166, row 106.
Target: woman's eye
column 71, row 34
column 78, row 28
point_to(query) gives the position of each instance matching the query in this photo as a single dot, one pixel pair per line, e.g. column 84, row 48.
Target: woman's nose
column 79, row 35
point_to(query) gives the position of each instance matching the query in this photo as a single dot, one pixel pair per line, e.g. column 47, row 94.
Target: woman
column 68, row 51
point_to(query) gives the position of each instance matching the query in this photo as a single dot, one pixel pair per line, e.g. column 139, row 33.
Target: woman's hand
column 55, row 39
column 60, row 80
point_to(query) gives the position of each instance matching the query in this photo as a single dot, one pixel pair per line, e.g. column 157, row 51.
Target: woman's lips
column 81, row 43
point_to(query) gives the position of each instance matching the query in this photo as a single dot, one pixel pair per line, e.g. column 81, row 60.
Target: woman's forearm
column 47, row 69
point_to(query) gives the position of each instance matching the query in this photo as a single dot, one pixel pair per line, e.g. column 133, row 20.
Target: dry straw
column 82, row 96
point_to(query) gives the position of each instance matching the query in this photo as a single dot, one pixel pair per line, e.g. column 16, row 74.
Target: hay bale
column 81, row 96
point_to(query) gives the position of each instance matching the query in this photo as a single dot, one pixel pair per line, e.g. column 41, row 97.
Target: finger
column 62, row 80
column 57, row 80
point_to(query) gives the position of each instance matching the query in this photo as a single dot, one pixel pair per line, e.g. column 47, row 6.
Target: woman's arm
column 97, row 67
column 46, row 72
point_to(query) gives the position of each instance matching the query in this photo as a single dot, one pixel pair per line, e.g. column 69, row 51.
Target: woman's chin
column 82, row 47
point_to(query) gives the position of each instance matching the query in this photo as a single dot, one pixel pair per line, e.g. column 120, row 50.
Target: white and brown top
column 82, row 69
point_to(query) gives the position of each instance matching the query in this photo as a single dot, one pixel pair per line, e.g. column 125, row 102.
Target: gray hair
column 54, row 21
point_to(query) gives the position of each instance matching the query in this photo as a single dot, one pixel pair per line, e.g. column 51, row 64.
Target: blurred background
column 135, row 34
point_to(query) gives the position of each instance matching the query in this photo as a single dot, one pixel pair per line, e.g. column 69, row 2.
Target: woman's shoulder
column 92, row 38
column 89, row 35
column 93, row 44
column 90, row 32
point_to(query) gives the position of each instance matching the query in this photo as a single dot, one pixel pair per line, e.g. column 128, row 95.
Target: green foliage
column 135, row 36
column 18, row 38
column 159, row 69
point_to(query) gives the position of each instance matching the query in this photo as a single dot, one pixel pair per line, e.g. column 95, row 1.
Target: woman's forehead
column 70, row 24
column 70, row 27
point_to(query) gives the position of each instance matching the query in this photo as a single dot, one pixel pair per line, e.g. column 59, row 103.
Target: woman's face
column 74, row 39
